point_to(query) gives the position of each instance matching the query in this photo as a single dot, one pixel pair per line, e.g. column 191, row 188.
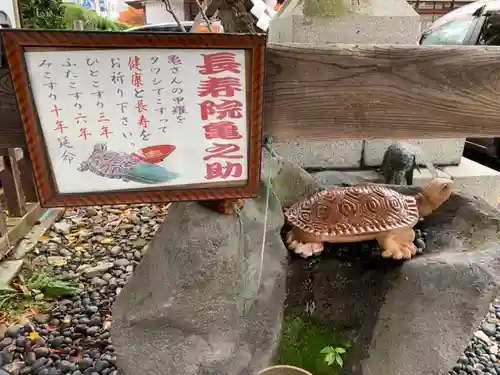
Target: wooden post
column 28, row 178
column 11, row 126
column 11, row 183
column 3, row 224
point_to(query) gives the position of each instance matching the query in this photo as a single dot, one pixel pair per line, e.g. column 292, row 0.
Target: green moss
column 325, row 8
column 333, row 8
column 302, row 342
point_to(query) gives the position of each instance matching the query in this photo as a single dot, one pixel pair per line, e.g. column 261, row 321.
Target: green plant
column 52, row 286
column 42, row 14
column 91, row 20
column 302, row 340
column 333, row 355
column 23, row 296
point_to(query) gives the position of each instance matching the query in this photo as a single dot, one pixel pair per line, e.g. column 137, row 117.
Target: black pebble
column 30, row 358
column 100, row 365
column 21, row 341
column 39, row 363
column 85, row 363
column 92, row 309
column 5, row 342
column 42, row 352
column 57, row 341
column 420, row 243
column 65, row 366
column 14, row 331
column 7, row 356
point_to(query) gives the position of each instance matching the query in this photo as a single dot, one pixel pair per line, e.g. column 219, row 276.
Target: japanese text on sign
column 129, row 119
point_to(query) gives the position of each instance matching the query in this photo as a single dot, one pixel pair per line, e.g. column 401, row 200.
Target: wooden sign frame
column 16, row 42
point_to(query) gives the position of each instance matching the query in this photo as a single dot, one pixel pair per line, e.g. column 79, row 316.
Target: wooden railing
column 19, row 208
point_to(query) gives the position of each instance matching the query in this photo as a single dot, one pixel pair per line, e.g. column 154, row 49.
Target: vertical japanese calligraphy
column 129, row 119
column 221, row 112
column 179, row 107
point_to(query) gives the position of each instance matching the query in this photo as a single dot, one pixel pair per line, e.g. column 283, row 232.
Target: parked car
column 167, row 27
column 476, row 23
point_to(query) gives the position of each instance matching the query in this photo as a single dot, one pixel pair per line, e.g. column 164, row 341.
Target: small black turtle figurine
column 400, row 160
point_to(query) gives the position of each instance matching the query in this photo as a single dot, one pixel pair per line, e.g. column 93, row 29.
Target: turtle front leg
column 304, row 249
column 398, row 244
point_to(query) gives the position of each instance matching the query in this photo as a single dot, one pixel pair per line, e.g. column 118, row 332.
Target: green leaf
column 339, row 360
column 330, row 359
column 327, row 350
column 340, row 350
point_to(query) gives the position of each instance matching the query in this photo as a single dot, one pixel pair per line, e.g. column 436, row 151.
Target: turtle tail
column 147, row 173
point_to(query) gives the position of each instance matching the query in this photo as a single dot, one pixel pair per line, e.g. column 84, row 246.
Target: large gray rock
column 413, row 317
column 185, row 310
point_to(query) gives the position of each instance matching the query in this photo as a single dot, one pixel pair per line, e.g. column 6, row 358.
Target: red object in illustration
column 154, row 154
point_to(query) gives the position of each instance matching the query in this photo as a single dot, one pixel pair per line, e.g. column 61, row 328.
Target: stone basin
column 402, row 317
column 193, row 307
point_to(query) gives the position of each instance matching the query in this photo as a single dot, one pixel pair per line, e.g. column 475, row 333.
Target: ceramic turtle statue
column 120, row 165
column 362, row 213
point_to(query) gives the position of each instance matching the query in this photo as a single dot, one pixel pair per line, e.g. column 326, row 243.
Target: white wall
column 157, row 13
column 8, row 7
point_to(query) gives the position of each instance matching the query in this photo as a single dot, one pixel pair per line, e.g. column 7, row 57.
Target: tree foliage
column 42, row 14
column 53, row 14
column 132, row 16
column 90, row 19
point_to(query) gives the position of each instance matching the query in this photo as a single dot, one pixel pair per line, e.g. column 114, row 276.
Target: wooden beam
column 360, row 92
column 19, row 227
column 10, row 177
column 11, row 126
column 387, row 92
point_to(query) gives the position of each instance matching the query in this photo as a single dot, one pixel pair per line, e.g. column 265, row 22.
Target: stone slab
column 469, row 177
column 374, row 21
column 438, row 151
column 29, row 241
column 322, row 154
column 331, row 178
column 8, row 270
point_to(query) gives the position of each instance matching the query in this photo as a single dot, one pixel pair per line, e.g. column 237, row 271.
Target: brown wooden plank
column 360, row 92
column 11, row 126
column 11, row 184
column 366, row 91
column 23, row 227
column 27, row 178
column 3, row 223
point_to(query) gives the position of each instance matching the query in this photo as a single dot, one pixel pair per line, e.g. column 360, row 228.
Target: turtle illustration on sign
column 124, row 166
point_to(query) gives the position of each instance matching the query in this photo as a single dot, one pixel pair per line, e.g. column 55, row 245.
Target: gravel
column 482, row 355
column 100, row 247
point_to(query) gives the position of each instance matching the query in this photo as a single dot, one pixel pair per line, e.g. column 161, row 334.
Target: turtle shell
column 354, row 211
column 111, row 164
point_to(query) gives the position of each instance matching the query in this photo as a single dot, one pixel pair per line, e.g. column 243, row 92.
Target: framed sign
column 137, row 117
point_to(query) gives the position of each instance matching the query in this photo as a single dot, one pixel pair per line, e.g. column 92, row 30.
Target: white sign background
column 189, row 137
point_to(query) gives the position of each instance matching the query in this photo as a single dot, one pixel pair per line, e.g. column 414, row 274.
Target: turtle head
column 433, row 195
column 84, row 166
column 100, row 147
